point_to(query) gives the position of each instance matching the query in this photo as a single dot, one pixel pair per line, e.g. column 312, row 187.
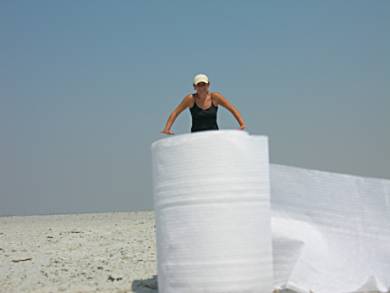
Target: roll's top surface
column 186, row 138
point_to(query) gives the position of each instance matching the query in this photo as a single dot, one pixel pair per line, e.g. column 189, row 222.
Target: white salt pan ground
column 99, row 252
column 105, row 252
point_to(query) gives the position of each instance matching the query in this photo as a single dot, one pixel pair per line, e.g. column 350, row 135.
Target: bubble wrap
column 211, row 198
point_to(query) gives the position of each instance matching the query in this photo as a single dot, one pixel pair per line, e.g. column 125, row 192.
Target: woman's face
column 202, row 87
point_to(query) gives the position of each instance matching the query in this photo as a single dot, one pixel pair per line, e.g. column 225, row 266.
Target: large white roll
column 212, row 205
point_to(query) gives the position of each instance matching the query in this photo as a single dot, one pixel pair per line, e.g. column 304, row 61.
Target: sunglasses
column 201, row 84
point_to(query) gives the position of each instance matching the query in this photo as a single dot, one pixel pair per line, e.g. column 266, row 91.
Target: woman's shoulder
column 216, row 97
column 190, row 99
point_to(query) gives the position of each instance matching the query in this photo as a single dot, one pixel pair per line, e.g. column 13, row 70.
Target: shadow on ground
column 151, row 286
column 145, row 285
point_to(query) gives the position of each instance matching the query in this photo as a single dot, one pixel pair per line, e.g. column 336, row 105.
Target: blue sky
column 87, row 86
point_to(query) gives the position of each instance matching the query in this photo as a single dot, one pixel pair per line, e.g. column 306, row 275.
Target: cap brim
column 199, row 81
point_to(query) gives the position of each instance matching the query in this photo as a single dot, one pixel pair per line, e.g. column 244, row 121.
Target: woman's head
column 201, row 83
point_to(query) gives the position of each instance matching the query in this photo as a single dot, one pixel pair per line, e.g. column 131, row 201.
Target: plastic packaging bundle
column 331, row 232
column 211, row 198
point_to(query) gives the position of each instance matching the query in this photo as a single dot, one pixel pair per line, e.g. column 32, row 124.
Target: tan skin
column 203, row 100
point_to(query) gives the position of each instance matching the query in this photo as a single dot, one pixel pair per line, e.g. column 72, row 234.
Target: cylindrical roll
column 212, row 204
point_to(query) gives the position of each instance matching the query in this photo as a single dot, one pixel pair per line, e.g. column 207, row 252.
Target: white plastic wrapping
column 211, row 198
column 331, row 232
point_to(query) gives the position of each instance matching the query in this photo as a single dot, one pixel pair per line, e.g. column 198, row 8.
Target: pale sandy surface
column 100, row 252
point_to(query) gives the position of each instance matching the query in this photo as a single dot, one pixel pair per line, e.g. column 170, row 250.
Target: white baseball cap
column 201, row 78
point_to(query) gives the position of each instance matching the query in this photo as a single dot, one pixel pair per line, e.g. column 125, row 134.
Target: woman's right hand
column 167, row 131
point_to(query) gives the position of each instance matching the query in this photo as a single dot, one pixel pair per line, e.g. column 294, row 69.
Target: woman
column 203, row 106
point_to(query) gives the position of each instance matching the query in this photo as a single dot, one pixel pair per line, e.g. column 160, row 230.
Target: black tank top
column 203, row 119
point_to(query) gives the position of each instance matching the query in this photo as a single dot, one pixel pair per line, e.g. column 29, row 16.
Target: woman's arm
column 221, row 100
column 186, row 102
